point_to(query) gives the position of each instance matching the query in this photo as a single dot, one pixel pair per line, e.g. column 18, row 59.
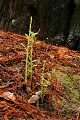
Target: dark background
column 58, row 20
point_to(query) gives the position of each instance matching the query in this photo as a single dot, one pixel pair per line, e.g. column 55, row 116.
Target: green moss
column 71, row 89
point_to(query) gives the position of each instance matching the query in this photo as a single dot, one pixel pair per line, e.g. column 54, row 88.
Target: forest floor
column 61, row 79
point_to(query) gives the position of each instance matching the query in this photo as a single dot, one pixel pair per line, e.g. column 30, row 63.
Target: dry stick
column 3, row 86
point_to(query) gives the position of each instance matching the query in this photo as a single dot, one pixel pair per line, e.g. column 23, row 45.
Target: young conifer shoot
column 28, row 51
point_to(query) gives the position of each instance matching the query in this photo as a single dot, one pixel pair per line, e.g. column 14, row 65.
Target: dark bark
column 73, row 40
column 58, row 20
column 14, row 16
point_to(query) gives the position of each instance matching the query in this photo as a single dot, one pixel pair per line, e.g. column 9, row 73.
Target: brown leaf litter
column 13, row 100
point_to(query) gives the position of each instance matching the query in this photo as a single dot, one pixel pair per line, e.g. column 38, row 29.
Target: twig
column 3, row 86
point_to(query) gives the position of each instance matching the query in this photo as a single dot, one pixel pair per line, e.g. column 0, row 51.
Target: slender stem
column 27, row 50
column 27, row 55
column 31, row 59
column 26, row 64
column 30, row 26
column 31, row 47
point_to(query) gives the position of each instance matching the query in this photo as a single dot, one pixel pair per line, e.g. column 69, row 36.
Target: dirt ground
column 12, row 69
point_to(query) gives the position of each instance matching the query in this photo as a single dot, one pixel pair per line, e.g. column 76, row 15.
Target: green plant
column 71, row 89
column 29, row 50
column 44, row 83
column 64, row 86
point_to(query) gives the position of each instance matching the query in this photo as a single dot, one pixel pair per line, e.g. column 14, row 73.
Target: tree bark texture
column 58, row 20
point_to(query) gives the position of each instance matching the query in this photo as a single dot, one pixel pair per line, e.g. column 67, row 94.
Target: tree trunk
column 73, row 40
column 58, row 20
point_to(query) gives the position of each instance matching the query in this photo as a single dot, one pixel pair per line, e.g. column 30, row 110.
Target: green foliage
column 71, row 89
column 70, row 83
column 29, row 49
column 49, row 81
column 44, row 83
